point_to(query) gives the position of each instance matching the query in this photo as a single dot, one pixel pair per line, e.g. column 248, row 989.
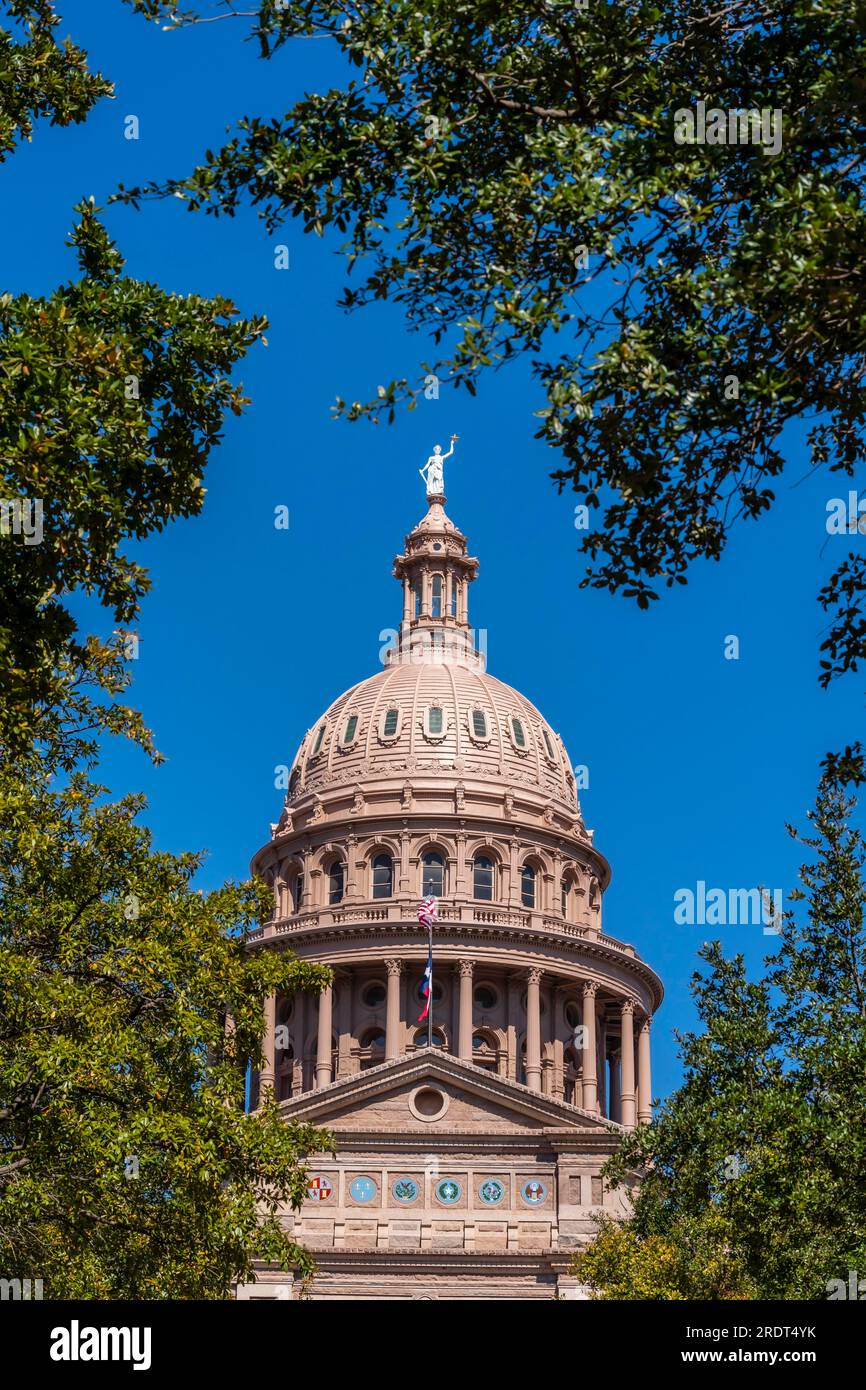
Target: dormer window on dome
column 390, row 723
column 517, row 732
column 479, row 723
column 548, row 745
column 319, row 737
column 351, row 730
column 434, row 721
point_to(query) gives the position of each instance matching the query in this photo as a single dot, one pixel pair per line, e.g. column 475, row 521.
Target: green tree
column 753, row 1173
column 130, row 1008
column 112, row 395
column 39, row 77
column 130, row 1004
column 509, row 174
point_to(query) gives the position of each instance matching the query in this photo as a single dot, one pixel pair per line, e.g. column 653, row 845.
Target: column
column 513, row 896
column 392, row 1010
column 626, row 1095
column 405, row 877
column 267, row 1076
column 533, row 1029
column 350, row 882
column 343, row 1024
column 614, row 1087
column 407, row 599
column 590, row 1082
column 323, row 1050
column 513, row 989
column 602, row 1063
column 464, row 1030
column 645, row 1112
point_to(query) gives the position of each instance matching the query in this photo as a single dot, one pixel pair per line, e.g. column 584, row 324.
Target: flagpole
column 430, row 997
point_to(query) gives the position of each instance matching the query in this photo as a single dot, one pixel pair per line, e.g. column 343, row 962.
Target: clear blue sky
column 696, row 763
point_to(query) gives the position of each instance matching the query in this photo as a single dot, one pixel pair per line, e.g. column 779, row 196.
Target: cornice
column 457, row 936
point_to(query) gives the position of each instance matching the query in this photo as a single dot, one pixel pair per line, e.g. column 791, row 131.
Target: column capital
column 627, row 1006
column 465, row 967
column 394, row 966
column 590, row 989
column 645, row 1023
column 534, row 974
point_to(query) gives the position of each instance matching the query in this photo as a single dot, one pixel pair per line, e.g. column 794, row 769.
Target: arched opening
column 432, row 875
column 485, row 1049
column 527, row 885
column 336, row 882
column 436, row 597
column 372, row 1048
column 285, row 1073
column 482, row 878
column 383, row 876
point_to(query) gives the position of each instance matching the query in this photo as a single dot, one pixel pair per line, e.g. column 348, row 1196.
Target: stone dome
column 434, row 719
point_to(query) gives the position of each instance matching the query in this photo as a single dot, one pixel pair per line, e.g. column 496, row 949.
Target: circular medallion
column 491, row 1192
column 448, row 1191
column 405, row 1190
column 319, row 1188
column 534, row 1193
column 362, row 1189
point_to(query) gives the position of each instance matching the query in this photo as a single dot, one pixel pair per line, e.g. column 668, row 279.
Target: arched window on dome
column 383, row 876
column 436, row 596
column 452, row 606
column 564, row 886
column 296, row 889
column 482, row 878
column 527, row 885
column 416, row 598
column 432, row 875
column 336, row 882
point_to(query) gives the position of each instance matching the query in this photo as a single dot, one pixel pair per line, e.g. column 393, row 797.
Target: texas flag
column 426, row 986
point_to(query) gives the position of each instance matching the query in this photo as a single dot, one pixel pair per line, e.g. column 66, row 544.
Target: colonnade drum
column 472, row 1167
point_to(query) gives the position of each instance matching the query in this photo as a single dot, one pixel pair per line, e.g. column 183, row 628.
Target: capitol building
column 470, row 1168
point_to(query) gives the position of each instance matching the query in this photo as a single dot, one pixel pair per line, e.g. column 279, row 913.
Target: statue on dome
column 433, row 473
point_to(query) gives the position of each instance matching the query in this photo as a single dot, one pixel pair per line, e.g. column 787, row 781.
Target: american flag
column 427, row 915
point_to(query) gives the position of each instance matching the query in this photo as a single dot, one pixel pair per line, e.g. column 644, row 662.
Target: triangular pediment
column 401, row 1097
